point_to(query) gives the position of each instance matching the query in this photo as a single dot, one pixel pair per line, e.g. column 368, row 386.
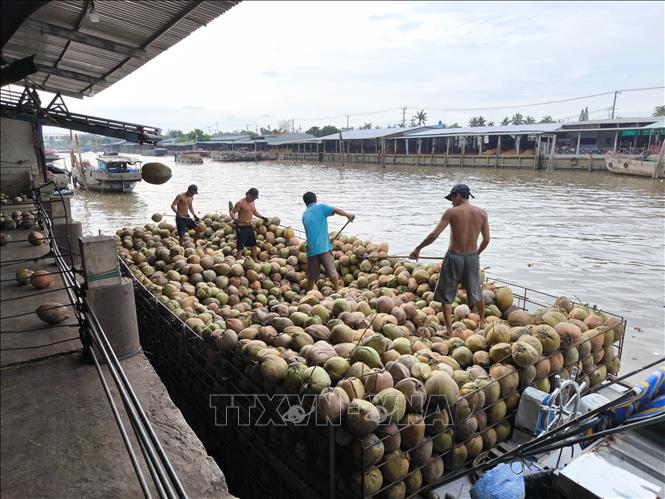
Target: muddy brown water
column 596, row 237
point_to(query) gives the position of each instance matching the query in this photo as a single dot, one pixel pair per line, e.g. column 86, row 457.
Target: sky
column 315, row 62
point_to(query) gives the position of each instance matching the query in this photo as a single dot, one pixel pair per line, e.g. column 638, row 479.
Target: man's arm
column 339, row 211
column 174, row 204
column 257, row 214
column 485, row 231
column 432, row 236
column 191, row 210
column 234, row 212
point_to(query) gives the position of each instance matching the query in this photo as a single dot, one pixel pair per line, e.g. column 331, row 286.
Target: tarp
column 650, row 400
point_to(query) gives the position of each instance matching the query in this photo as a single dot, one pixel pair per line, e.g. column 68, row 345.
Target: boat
column 188, row 158
column 56, row 170
column 112, row 173
column 644, row 166
column 234, row 156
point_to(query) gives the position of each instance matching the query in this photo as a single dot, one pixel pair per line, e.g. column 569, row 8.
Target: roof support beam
column 18, row 70
column 85, row 39
column 70, row 75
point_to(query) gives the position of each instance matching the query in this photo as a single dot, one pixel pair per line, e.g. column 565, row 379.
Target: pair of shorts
column 314, row 266
column 245, row 237
column 459, row 268
column 184, row 223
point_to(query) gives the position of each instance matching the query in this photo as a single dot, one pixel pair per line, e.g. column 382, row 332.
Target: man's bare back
column 466, row 224
column 245, row 210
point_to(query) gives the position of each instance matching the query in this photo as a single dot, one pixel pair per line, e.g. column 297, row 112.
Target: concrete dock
column 59, row 437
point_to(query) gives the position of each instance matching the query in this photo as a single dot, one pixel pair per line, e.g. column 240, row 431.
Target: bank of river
column 596, row 237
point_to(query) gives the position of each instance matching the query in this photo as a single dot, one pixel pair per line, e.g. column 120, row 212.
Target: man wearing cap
column 242, row 214
column 315, row 220
column 182, row 206
column 461, row 263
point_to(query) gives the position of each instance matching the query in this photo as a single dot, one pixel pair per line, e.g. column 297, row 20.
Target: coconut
column 496, row 412
column 507, row 377
column 358, row 370
column 353, row 387
column 598, row 375
column 413, row 482
column 474, row 395
column 52, row 312
column 319, row 353
column 414, row 392
column 336, row 367
column 497, row 332
column 377, row 380
column 362, row 417
column 464, row 429
column 593, row 321
column 527, row 375
column 155, row 173
column 36, row 238
column 552, row 318
column 23, row 276
column 476, row 343
column 331, row 404
column 390, row 436
column 225, row 340
column 41, row 279
column 491, row 389
column 396, row 491
column 556, row 362
column 396, row 466
column 344, row 349
column 366, row 355
column 503, row 430
column 442, row 389
column 463, row 356
column 372, row 481
column 504, row 298
column 458, row 457
column 295, row 377
column 422, row 453
column 413, row 431
column 408, row 360
column 596, row 337
column 548, row 337
column 421, row 371
column 543, row 385
column 523, row 354
column 398, row 371
column 501, row 352
column 316, row 379
column 616, row 326
column 518, row 317
column 481, row 358
column 391, row 404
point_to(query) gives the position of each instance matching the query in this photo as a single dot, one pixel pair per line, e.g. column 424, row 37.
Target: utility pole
column 293, row 125
column 403, row 117
column 615, row 102
column 347, row 121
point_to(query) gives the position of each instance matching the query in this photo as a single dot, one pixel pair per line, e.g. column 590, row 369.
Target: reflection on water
column 594, row 236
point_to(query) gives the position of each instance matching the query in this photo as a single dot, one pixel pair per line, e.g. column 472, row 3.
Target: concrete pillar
column 67, row 236
column 110, row 295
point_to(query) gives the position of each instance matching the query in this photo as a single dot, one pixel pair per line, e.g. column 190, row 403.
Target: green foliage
column 196, row 134
column 173, row 133
column 477, row 121
column 419, row 119
column 547, row 119
column 529, row 120
column 315, row 130
column 366, row 126
column 505, row 121
column 517, row 119
column 659, row 111
column 455, row 125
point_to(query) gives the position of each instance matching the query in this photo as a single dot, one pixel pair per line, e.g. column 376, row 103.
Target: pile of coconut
column 409, row 403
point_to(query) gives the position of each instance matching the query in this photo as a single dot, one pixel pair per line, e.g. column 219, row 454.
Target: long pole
column 614, row 103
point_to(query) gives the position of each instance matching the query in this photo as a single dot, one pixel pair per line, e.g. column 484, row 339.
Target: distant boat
column 643, row 166
column 188, row 158
column 233, row 156
column 58, row 174
column 113, row 173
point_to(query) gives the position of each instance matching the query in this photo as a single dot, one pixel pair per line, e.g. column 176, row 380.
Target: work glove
column 265, row 219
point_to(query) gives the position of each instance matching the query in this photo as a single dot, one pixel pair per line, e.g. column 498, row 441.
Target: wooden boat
column 112, row 173
column 57, row 172
column 649, row 165
column 234, row 156
column 188, row 158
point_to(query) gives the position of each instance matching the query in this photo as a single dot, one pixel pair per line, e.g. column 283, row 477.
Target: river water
column 595, row 237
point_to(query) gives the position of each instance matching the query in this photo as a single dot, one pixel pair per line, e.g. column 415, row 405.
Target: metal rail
column 164, row 478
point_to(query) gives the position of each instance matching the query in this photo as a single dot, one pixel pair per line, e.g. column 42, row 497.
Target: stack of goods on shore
column 15, row 219
column 408, row 404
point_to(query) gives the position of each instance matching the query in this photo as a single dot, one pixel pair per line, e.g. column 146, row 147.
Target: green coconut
column 273, row 369
column 362, row 417
column 372, row 481
column 52, row 312
column 463, row 356
column 523, row 354
column 442, row 389
column 336, row 367
column 390, row 436
column 504, row 298
column 413, row 482
column 503, row 430
column 548, row 337
column 23, row 276
column 366, row 355
column 353, row 387
column 155, row 173
column 396, row 466
column 391, row 404
column 413, row 431
column 331, row 405
column 316, row 379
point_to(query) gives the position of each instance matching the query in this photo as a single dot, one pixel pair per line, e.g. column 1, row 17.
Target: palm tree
column 547, row 119
column 454, row 125
column 477, row 121
column 505, row 121
column 517, row 119
column 529, row 120
column 366, row 126
column 490, row 123
column 420, row 118
column 659, row 111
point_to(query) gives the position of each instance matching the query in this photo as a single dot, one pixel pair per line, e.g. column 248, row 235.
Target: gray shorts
column 459, row 268
column 314, row 266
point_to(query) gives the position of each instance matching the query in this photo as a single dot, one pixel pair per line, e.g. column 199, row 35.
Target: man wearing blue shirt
column 315, row 220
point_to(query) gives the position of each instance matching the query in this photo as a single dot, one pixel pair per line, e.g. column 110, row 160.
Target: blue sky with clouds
column 263, row 62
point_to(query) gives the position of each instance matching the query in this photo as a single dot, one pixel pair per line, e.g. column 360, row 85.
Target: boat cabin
column 112, row 163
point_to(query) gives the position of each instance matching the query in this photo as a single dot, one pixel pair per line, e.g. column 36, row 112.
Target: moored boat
column 112, row 173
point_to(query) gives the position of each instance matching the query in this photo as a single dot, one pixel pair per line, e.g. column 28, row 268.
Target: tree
column 477, row 121
column 419, row 119
column 366, row 126
column 490, row 123
column 529, row 120
column 315, row 130
column 173, row 133
column 659, row 111
column 328, row 130
column 198, row 135
column 517, row 119
column 265, row 131
column 284, row 126
column 505, row 121
column 547, row 119
column 455, row 125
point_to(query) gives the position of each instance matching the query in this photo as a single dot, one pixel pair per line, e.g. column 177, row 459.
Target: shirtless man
column 182, row 206
column 461, row 263
column 242, row 214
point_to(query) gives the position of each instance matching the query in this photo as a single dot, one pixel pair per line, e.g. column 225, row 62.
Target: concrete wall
column 17, row 155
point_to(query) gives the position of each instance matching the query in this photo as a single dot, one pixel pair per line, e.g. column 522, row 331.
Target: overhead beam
column 70, row 75
column 85, row 39
column 17, row 70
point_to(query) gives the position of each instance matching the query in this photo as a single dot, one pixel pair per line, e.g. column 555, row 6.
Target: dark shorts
column 182, row 224
column 245, row 237
column 314, row 266
column 459, row 268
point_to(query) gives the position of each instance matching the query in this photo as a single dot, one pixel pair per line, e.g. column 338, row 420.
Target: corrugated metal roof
column 290, row 138
column 613, row 121
column 149, row 25
column 658, row 124
column 373, row 133
column 486, row 130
